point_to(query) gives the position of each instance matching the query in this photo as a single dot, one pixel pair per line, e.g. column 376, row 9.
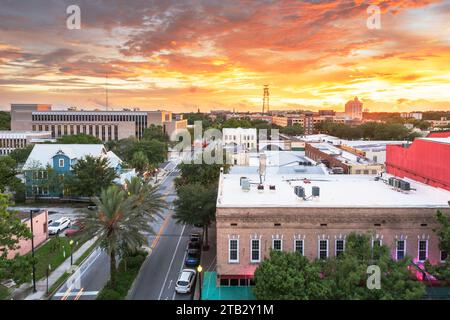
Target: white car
column 185, row 281
column 58, row 225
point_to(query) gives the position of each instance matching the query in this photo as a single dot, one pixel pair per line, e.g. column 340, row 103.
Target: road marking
column 84, row 293
column 171, row 262
column 79, row 294
column 170, row 284
column 161, row 230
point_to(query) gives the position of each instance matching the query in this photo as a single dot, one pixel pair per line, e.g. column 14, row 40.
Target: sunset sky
column 183, row 55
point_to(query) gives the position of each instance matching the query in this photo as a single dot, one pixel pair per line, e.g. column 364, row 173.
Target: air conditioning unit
column 299, row 191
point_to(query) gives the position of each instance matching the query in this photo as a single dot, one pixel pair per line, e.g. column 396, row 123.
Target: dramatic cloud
column 186, row 54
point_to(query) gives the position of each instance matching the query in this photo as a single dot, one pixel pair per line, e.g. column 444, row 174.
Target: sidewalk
column 208, row 259
column 41, row 285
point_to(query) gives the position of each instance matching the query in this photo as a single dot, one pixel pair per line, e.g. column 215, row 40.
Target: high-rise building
column 353, row 109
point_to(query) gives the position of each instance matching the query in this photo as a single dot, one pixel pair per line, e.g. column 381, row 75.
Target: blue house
column 55, row 161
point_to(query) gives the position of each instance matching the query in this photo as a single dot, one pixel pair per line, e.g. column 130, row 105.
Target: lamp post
column 32, row 247
column 71, row 252
column 156, row 175
column 48, row 272
column 199, row 270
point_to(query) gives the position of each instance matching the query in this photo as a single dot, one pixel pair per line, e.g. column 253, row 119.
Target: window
column 61, row 163
column 401, row 249
column 340, row 246
column 255, row 250
column 233, row 251
column 323, row 249
column 444, row 256
column 277, row 244
column 298, row 246
column 376, row 243
column 423, row 250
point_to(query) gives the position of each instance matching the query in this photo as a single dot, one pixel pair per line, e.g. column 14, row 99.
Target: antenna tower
column 265, row 107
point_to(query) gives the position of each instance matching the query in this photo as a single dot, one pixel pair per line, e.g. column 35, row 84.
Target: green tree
column 441, row 271
column 154, row 150
column 90, row 175
column 147, row 200
column 196, row 205
column 12, row 230
column 119, row 221
column 80, row 138
column 346, row 275
column 139, row 161
column 21, row 155
column 294, row 130
column 154, row 132
column 7, row 172
column 205, row 174
column 5, row 120
column 289, row 276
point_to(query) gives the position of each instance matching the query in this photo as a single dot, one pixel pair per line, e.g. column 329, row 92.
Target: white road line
column 85, row 293
column 171, row 262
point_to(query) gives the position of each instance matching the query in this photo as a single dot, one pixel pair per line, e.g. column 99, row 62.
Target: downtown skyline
column 185, row 55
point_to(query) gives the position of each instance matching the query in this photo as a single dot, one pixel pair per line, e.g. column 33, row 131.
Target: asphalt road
column 160, row 270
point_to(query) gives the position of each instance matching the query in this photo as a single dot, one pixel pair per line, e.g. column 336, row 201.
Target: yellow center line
column 163, row 227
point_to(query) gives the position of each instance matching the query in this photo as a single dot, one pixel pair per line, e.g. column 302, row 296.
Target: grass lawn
column 4, row 293
column 52, row 253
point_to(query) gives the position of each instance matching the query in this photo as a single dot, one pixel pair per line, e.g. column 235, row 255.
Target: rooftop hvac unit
column 397, row 183
column 404, row 185
column 245, row 184
column 299, row 191
column 315, row 191
column 391, row 181
column 242, row 178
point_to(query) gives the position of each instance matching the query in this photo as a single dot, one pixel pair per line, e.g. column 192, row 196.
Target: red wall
column 424, row 161
column 439, row 134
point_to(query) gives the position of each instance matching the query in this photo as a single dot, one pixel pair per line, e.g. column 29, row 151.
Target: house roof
column 42, row 154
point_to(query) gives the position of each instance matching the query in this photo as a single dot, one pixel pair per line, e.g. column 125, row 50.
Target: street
column 159, row 271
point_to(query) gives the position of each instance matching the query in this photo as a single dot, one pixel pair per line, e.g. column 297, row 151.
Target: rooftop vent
column 315, row 191
column 272, row 187
column 245, row 184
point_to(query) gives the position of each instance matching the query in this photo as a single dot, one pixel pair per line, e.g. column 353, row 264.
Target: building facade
column 40, row 181
column 252, row 222
column 245, row 138
column 105, row 125
column 353, row 109
column 425, row 160
column 11, row 140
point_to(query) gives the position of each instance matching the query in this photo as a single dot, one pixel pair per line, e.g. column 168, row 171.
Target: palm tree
column 119, row 221
column 146, row 199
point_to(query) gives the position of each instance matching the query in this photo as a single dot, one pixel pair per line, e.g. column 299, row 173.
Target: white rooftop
column 440, row 140
column 335, row 191
column 42, row 154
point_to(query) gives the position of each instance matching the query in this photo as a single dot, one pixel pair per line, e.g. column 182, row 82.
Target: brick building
column 250, row 222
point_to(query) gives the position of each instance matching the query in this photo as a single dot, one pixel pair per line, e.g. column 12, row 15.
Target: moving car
column 74, row 228
column 192, row 258
column 92, row 206
column 185, row 281
column 59, row 225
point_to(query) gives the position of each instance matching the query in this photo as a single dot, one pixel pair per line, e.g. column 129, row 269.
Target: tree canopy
column 5, row 120
column 90, row 175
column 80, row 138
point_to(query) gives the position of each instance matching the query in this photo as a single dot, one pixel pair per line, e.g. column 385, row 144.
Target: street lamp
column 32, row 247
column 199, row 270
column 156, row 175
column 71, row 252
column 48, row 272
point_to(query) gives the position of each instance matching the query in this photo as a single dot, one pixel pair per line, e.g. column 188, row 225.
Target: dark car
column 192, row 257
column 75, row 228
column 194, row 245
column 194, row 237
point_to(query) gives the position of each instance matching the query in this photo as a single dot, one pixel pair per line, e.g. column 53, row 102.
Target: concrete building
column 425, row 160
column 252, row 220
column 105, row 125
column 353, row 109
column 411, row 115
column 11, row 140
column 342, row 159
column 245, row 138
column 61, row 158
column 40, row 232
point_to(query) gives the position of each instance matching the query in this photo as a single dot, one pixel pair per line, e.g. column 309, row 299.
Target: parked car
column 193, row 245
column 192, row 258
column 195, row 237
column 92, row 206
column 185, row 281
column 59, row 225
column 74, row 228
